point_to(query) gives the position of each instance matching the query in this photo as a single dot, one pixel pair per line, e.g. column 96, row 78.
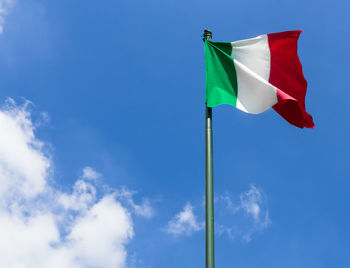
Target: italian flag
column 256, row 74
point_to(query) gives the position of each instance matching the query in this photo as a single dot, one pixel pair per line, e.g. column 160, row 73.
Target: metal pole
column 209, row 189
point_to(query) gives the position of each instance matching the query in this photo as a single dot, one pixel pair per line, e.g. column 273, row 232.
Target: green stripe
column 221, row 78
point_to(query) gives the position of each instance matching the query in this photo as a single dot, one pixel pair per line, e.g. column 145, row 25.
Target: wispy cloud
column 250, row 211
column 90, row 173
column 5, row 6
column 253, row 204
column 184, row 223
column 237, row 218
column 144, row 209
column 41, row 226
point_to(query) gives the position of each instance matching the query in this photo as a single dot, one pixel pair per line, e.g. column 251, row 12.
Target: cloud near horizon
column 41, row 226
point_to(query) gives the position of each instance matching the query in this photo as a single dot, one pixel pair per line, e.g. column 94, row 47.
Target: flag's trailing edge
column 256, row 74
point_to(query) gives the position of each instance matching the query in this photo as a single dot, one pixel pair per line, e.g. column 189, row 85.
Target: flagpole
column 209, row 189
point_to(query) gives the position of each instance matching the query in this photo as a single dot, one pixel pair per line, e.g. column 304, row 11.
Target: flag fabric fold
column 256, row 74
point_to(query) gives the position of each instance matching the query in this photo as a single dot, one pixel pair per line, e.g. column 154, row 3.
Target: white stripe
column 252, row 63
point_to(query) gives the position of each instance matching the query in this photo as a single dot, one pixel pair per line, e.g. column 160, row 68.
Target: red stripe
column 287, row 75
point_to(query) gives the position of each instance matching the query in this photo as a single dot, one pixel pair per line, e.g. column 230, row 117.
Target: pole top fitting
column 207, row 34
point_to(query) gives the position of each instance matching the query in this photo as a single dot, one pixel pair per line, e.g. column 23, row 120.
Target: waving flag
column 256, row 74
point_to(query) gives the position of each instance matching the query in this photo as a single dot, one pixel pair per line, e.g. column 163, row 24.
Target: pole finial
column 207, row 34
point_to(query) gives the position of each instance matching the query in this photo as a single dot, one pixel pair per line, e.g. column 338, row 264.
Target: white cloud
column 184, row 223
column 250, row 212
column 98, row 238
column 225, row 230
column 5, row 5
column 84, row 194
column 238, row 218
column 21, row 155
column 251, row 203
column 144, row 209
column 41, row 226
column 90, row 173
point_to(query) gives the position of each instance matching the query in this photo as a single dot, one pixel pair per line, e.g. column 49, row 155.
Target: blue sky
column 117, row 108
